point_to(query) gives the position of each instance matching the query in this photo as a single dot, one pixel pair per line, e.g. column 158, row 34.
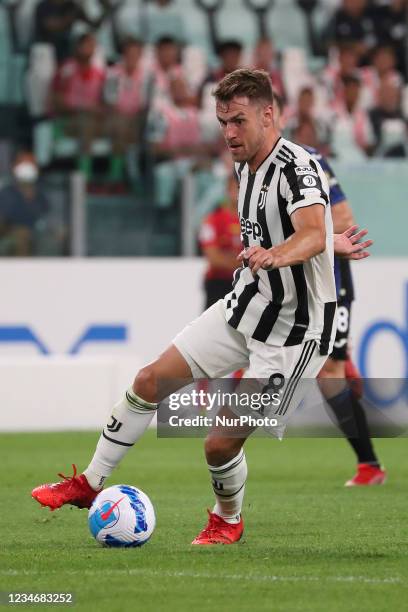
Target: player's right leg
column 129, row 420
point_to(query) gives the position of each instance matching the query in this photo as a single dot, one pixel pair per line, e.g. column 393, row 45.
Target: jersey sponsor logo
column 305, row 170
column 251, row 228
column 262, row 196
column 309, row 181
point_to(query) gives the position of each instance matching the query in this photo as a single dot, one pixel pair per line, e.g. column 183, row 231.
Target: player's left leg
column 271, row 367
column 228, row 472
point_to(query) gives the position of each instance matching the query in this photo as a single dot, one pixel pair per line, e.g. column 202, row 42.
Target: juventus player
column 279, row 317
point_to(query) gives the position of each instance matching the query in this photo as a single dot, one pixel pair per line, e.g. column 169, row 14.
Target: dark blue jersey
column 342, row 270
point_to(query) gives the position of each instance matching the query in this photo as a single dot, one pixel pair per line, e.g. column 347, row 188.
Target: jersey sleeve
column 304, row 185
column 337, row 194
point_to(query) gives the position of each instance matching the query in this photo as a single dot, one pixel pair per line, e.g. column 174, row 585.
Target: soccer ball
column 122, row 516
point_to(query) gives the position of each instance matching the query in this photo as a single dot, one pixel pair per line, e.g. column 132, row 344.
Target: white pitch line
column 206, row 575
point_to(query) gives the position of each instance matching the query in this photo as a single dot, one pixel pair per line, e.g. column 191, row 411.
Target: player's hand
column 257, row 257
column 349, row 244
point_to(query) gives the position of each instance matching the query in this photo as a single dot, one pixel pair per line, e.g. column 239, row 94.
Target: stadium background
column 103, row 280
column 113, row 270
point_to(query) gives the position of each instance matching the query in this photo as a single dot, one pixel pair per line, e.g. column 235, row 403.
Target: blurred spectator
column 352, row 130
column 125, row 95
column 176, row 139
column 390, row 128
column 175, row 124
column 343, row 63
column 384, row 63
column 304, row 119
column 230, row 57
column 265, row 59
column 306, row 133
column 220, row 242
column 76, row 98
column 22, row 205
column 353, row 22
column 167, row 65
column 55, row 19
column 391, row 29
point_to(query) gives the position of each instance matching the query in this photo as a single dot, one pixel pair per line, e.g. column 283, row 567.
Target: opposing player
column 278, row 319
column 220, row 242
column 343, row 399
column 346, row 403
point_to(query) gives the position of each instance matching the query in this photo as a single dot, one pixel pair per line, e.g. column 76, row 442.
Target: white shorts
column 214, row 349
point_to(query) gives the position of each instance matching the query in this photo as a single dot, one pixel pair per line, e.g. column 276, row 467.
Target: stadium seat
column 393, row 136
column 42, row 64
column 167, row 176
column 5, row 55
column 25, row 23
column 49, row 144
column 237, row 24
column 144, row 21
column 295, row 72
column 195, row 65
column 343, row 143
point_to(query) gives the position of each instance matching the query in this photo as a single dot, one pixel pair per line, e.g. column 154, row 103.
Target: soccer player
column 278, row 318
column 342, row 399
column 220, row 243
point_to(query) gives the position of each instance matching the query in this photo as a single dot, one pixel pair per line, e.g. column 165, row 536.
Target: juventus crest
column 262, row 196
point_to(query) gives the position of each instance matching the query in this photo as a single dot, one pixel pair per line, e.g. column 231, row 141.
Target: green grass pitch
column 310, row 544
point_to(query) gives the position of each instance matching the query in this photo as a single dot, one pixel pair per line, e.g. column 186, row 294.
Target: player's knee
column 145, row 384
column 221, row 450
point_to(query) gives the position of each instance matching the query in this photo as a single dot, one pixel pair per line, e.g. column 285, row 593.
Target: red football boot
column 219, row 531
column 73, row 490
column 367, row 475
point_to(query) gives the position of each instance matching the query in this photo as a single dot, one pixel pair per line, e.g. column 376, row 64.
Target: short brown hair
column 256, row 85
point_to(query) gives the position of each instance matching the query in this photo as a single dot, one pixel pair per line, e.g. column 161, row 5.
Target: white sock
column 228, row 482
column 130, row 419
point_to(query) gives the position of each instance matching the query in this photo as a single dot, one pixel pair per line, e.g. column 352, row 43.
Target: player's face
column 244, row 125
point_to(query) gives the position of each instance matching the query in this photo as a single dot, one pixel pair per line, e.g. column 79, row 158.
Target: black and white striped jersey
column 290, row 305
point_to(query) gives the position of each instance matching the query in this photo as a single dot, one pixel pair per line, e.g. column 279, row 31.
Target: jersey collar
column 268, row 158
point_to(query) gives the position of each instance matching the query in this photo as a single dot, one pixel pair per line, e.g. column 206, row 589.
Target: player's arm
column 342, row 216
column 341, row 211
column 308, row 240
column 220, row 259
column 349, row 244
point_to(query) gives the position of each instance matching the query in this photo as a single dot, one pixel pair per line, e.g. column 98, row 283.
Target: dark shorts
column 343, row 329
column 216, row 289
